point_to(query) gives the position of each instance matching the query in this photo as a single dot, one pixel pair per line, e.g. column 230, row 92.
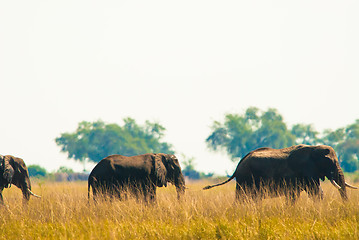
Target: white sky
column 181, row 63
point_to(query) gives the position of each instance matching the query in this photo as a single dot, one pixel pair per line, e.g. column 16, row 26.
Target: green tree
column 333, row 138
column 305, row 134
column 36, row 171
column 240, row 134
column 64, row 169
column 189, row 169
column 95, row 140
column 345, row 141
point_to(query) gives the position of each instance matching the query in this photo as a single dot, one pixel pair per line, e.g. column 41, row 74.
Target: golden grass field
column 63, row 212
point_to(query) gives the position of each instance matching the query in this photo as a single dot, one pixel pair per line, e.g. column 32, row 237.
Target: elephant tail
column 219, row 184
column 229, row 179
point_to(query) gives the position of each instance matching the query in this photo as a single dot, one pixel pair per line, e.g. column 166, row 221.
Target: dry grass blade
column 64, row 212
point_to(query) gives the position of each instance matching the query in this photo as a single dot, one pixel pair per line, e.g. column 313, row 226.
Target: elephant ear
column 9, row 171
column 160, row 171
column 313, row 161
column 301, row 161
column 322, row 151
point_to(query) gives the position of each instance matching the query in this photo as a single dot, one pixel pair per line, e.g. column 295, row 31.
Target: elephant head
column 14, row 171
column 167, row 169
column 326, row 164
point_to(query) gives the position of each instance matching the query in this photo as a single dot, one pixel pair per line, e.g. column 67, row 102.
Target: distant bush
column 353, row 177
column 36, row 171
column 190, row 172
column 68, row 177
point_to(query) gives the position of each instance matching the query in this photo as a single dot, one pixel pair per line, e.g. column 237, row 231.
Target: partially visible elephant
column 14, row 171
column 116, row 175
column 288, row 171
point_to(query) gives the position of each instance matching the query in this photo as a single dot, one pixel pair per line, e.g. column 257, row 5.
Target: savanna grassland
column 63, row 212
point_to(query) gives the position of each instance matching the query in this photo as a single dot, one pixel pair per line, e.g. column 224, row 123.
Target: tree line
column 236, row 135
column 61, row 174
column 239, row 134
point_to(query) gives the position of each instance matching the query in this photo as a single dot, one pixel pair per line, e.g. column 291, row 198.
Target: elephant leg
column 108, row 190
column 125, row 192
column 121, row 194
column 152, row 193
column 254, row 190
column 99, row 190
column 315, row 194
column 291, row 188
column 94, row 193
column 1, row 198
column 292, row 195
column 123, row 189
column 148, row 192
column 117, row 193
column 239, row 192
column 135, row 190
column 143, row 192
column 116, row 190
column 245, row 192
column 315, row 191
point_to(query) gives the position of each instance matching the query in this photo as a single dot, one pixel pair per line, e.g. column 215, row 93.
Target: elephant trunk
column 338, row 177
column 26, row 188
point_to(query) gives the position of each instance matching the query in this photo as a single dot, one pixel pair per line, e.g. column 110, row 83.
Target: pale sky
column 184, row 64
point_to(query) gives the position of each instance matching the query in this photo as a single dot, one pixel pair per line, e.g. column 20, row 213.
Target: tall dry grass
column 63, row 212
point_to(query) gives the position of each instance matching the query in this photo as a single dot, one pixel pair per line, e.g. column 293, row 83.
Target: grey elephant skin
column 14, row 171
column 118, row 175
column 288, row 171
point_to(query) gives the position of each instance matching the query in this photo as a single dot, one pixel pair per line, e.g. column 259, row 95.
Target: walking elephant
column 288, row 171
column 117, row 175
column 14, row 171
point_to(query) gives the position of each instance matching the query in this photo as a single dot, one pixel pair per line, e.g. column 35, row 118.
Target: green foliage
column 95, row 140
column 240, row 134
column 189, row 170
column 64, row 169
column 345, row 141
column 36, row 171
column 305, row 134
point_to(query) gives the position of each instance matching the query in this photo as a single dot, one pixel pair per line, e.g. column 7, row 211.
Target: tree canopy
column 95, row 140
column 346, row 143
column 239, row 134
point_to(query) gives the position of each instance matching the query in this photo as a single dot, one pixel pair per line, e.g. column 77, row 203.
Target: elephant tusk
column 350, row 186
column 33, row 194
column 335, row 184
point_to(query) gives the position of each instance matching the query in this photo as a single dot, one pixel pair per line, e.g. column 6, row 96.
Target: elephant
column 117, row 175
column 14, row 171
column 287, row 171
